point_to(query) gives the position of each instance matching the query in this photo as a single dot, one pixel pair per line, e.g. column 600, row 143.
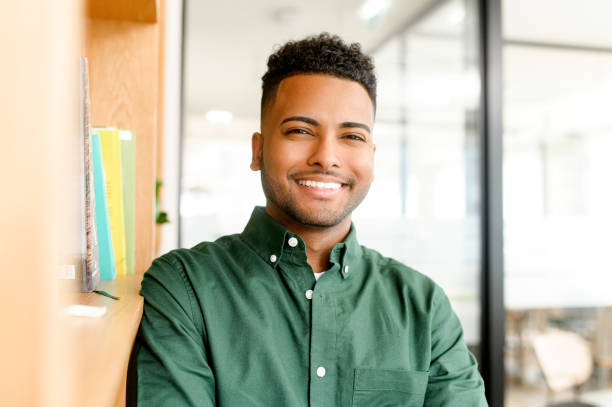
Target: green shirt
column 242, row 322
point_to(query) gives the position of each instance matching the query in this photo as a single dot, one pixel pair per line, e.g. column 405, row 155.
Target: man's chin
column 320, row 218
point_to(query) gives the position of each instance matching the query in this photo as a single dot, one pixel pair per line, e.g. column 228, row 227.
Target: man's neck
column 319, row 240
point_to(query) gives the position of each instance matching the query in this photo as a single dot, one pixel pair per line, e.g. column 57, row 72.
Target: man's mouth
column 319, row 185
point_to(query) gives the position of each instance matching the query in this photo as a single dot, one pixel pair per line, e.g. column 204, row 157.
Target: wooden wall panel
column 39, row 193
column 123, row 61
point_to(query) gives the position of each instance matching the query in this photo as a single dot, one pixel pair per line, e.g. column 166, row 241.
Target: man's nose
column 326, row 153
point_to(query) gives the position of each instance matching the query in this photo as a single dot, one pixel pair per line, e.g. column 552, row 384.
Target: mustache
column 350, row 181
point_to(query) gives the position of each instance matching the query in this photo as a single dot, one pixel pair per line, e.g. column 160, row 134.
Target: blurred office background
column 450, row 72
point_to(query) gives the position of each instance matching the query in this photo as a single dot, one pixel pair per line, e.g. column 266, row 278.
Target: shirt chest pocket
column 387, row 388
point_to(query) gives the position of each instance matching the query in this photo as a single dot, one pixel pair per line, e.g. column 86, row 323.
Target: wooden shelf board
column 145, row 11
column 101, row 346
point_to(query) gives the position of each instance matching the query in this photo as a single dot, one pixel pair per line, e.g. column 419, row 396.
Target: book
column 128, row 168
column 111, row 160
column 89, row 268
column 108, row 270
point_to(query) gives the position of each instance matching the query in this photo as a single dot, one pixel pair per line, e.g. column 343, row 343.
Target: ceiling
column 227, row 43
column 569, row 22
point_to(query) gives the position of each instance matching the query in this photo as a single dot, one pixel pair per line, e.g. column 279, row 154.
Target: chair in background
column 566, row 362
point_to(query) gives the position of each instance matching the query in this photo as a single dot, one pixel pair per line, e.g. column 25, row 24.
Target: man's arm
column 454, row 379
column 169, row 364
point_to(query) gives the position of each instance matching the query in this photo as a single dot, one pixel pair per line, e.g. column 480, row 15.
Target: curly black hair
column 324, row 54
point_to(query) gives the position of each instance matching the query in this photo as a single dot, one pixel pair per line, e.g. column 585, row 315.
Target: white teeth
column 320, row 185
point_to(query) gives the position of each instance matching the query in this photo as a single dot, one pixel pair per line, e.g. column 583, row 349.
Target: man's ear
column 257, row 151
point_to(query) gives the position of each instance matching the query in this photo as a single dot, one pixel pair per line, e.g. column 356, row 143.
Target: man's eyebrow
column 316, row 123
column 301, row 119
column 354, row 124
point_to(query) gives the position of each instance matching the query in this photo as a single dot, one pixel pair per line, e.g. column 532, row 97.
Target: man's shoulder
column 222, row 245
column 203, row 256
column 394, row 271
column 226, row 244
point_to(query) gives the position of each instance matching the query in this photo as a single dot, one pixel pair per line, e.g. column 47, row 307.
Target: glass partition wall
column 557, row 198
column 424, row 207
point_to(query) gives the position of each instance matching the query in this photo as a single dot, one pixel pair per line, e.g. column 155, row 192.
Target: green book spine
column 128, row 168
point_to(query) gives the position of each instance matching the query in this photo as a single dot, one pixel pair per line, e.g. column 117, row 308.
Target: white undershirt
column 317, row 275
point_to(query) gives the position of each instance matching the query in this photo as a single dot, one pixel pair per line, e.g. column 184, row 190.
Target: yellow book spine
column 111, row 161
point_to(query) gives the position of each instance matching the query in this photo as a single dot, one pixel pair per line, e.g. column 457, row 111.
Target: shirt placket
column 323, row 358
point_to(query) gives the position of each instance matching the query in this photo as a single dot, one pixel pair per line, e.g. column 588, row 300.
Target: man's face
column 315, row 152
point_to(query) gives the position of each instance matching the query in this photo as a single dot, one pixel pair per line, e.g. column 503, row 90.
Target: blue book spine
column 108, row 269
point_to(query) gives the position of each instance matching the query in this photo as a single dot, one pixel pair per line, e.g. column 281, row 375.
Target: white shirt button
column 345, row 269
column 292, row 241
column 320, row 371
column 308, row 294
column 273, row 258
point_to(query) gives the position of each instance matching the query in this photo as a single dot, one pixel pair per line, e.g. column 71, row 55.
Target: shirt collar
column 265, row 236
column 349, row 253
column 268, row 238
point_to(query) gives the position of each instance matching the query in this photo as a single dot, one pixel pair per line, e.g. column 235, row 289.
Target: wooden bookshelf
column 124, row 79
column 48, row 359
column 123, row 43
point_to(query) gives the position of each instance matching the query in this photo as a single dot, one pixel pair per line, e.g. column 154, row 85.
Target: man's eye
column 355, row 137
column 297, row 131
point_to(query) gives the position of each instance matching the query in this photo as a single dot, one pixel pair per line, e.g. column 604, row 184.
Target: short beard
column 287, row 205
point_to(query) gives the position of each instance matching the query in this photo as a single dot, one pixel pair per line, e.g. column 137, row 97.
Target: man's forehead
column 321, row 82
column 320, row 94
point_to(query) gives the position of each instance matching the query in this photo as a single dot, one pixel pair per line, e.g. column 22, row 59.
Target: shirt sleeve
column 169, row 364
column 454, row 379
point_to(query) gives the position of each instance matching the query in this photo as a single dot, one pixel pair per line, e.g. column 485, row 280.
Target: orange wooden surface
column 101, row 346
column 39, row 191
column 127, row 10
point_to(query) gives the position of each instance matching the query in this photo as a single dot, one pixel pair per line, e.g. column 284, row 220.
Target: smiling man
column 293, row 311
